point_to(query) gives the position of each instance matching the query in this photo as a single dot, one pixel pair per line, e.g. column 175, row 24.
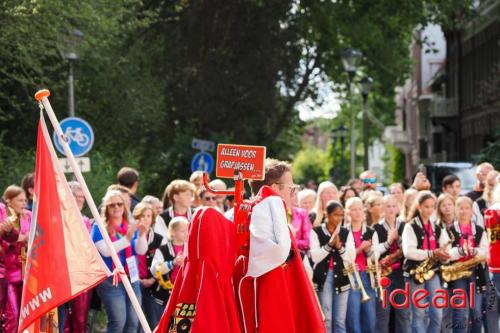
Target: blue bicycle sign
column 78, row 135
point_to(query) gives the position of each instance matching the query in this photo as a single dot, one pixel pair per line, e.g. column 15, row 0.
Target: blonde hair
column 12, row 191
column 196, row 175
column 462, row 200
column 496, row 194
column 352, row 201
column 319, row 207
column 406, row 204
column 106, row 199
column 142, row 207
column 488, row 192
column 306, row 193
column 174, row 223
column 440, row 200
column 369, row 203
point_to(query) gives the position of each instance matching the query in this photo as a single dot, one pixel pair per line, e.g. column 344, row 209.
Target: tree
column 310, row 164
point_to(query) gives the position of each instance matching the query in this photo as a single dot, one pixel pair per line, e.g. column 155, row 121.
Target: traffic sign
column 78, row 134
column 82, row 162
column 249, row 160
column 202, row 162
column 203, row 145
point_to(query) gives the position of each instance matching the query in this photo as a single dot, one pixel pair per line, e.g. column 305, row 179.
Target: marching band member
column 330, row 243
column 445, row 213
column 492, row 223
column 422, row 243
column 361, row 314
column 387, row 243
column 470, row 247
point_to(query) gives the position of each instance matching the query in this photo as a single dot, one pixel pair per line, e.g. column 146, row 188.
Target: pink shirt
column 12, row 251
column 177, row 249
column 393, row 248
column 466, row 231
column 302, row 226
column 429, row 239
column 360, row 257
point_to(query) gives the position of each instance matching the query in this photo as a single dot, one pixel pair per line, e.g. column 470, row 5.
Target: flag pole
column 42, row 97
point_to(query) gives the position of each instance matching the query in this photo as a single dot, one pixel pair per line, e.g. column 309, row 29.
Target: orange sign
column 249, row 160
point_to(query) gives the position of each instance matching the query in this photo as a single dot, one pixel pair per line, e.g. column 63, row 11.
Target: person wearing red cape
column 271, row 292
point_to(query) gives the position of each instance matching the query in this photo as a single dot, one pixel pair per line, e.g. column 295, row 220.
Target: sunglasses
column 370, row 180
column 293, row 187
column 115, row 204
column 209, row 198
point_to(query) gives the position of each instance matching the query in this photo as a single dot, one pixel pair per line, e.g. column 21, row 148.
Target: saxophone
column 461, row 269
column 427, row 268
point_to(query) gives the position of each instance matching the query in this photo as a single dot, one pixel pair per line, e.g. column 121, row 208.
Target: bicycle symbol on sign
column 77, row 136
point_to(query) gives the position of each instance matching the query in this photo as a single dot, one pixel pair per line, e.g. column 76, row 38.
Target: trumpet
column 352, row 273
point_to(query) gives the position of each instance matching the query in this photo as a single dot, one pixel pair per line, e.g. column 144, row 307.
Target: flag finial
column 40, row 94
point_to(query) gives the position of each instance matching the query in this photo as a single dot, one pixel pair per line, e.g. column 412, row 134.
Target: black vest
column 155, row 243
column 480, row 271
column 341, row 281
column 418, row 229
column 382, row 234
column 161, row 295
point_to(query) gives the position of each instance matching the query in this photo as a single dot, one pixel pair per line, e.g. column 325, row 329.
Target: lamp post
column 350, row 59
column 74, row 39
column 366, row 85
column 338, row 133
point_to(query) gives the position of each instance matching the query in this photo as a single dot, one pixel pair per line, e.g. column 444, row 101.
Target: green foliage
column 14, row 165
column 153, row 74
column 395, row 165
column 491, row 153
column 310, row 164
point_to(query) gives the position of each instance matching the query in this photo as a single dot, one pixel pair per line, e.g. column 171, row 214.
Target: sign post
column 239, row 163
column 78, row 134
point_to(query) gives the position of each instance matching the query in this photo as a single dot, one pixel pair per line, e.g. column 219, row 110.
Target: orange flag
column 62, row 261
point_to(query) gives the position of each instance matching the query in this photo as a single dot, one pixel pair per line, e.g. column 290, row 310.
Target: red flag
column 62, row 261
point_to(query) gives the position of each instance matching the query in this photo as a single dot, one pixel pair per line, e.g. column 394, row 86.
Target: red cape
column 203, row 296
column 281, row 300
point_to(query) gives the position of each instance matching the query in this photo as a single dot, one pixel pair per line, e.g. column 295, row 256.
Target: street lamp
column 351, row 58
column 74, row 39
column 366, row 85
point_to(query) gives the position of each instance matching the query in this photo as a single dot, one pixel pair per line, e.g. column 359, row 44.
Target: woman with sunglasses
column 128, row 240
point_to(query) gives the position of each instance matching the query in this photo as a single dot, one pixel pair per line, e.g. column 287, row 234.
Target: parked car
column 466, row 172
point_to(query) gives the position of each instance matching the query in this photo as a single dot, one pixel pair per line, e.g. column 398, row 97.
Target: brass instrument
column 461, row 269
column 378, row 275
column 425, row 271
column 353, row 274
column 386, row 263
column 371, row 269
column 427, row 268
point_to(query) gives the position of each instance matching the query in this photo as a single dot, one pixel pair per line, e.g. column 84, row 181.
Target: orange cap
column 40, row 94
